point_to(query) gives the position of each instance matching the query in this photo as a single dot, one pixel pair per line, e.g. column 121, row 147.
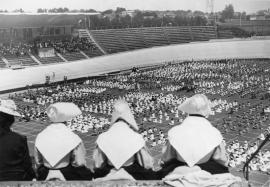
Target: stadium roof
column 13, row 20
column 50, row 13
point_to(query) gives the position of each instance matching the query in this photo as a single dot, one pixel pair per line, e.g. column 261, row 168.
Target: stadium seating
column 94, row 43
column 132, row 38
column 109, row 40
column 154, row 36
column 49, row 60
column 118, row 40
column 93, row 53
column 24, row 60
column 178, row 34
column 2, row 63
column 73, row 56
column 203, row 33
column 224, row 34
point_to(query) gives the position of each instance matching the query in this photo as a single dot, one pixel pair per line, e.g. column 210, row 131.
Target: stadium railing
column 121, row 183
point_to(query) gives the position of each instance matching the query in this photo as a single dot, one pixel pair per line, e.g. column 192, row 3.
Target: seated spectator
column 15, row 162
column 59, row 153
column 195, row 141
column 121, row 151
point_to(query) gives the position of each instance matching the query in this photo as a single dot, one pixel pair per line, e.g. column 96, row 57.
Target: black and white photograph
column 172, row 93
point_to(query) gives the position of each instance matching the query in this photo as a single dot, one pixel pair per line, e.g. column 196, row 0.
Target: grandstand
column 2, row 63
column 73, row 56
column 223, row 34
column 25, row 60
column 101, row 42
column 119, row 40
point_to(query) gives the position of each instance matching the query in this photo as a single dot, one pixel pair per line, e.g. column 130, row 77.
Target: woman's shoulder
column 17, row 136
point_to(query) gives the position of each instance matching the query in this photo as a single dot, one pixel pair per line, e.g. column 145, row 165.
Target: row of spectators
column 15, row 49
column 66, row 45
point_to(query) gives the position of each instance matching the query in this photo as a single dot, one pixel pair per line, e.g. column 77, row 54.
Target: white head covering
column 194, row 139
column 120, row 143
column 9, row 107
column 61, row 112
column 122, row 111
column 197, row 104
column 55, row 142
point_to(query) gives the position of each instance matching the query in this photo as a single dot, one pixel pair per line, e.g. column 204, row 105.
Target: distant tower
column 210, row 6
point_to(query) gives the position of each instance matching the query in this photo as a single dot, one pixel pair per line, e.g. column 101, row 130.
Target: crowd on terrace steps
column 238, row 91
column 65, row 45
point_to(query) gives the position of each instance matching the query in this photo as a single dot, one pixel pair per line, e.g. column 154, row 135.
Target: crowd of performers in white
column 162, row 107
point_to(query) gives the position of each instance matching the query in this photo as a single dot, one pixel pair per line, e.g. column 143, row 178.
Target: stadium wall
column 12, row 79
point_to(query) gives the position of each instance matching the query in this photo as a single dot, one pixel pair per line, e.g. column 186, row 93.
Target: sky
column 250, row 6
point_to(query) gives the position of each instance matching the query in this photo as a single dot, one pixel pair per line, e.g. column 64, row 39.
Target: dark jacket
column 135, row 170
column 15, row 162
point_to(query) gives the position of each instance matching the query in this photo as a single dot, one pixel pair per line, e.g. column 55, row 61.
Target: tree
column 261, row 12
column 40, row 10
column 125, row 21
column 228, row 12
column 19, row 10
column 65, row 9
column 90, row 10
column 198, row 13
column 109, row 11
column 119, row 10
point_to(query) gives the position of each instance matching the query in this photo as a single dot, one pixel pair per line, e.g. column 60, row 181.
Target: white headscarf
column 9, row 107
column 121, row 142
column 195, row 137
column 197, row 104
column 61, row 112
column 56, row 141
column 122, row 111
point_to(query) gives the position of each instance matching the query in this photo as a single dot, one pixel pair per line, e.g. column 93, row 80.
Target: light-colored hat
column 120, row 143
column 194, row 139
column 9, row 107
column 55, row 142
column 122, row 111
column 197, row 104
column 61, row 112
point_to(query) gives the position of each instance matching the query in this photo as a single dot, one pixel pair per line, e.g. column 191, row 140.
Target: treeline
column 139, row 20
column 63, row 10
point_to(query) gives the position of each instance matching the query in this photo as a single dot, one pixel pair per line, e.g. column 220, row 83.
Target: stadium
column 53, row 58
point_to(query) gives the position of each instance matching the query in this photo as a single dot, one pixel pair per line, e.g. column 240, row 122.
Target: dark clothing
column 210, row 166
column 135, row 170
column 70, row 173
column 15, row 162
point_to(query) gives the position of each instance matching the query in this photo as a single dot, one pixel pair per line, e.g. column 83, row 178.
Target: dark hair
column 6, row 120
column 130, row 126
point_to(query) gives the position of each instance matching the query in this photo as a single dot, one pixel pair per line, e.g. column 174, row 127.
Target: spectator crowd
column 65, row 45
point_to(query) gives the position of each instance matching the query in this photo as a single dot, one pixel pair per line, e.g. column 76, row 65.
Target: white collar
column 55, row 142
column 194, row 139
column 120, row 143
